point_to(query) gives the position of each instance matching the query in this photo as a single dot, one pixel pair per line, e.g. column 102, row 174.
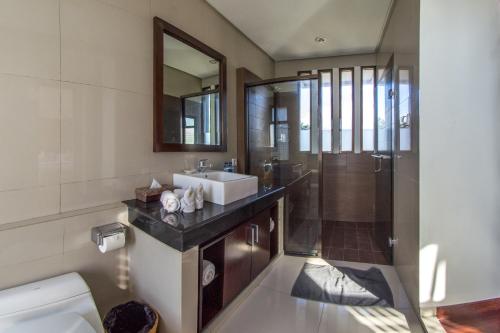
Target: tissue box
column 146, row 194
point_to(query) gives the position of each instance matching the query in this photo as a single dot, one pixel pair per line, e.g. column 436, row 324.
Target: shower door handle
column 378, row 159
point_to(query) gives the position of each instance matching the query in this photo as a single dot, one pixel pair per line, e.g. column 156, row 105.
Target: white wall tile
column 93, row 193
column 106, row 133
column 91, row 260
column 165, row 164
column 30, row 243
column 106, row 46
column 18, row 205
column 17, row 274
column 29, row 127
column 106, row 274
column 29, row 38
column 77, row 228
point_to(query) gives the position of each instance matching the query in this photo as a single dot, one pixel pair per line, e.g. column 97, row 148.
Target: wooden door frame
column 243, row 77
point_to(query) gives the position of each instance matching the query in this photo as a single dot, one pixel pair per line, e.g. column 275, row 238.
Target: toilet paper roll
column 112, row 242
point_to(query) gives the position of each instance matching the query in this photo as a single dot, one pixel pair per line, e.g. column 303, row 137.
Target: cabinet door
column 261, row 250
column 237, row 262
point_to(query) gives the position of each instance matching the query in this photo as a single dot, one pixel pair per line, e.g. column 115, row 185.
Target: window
column 326, row 109
column 305, row 115
column 368, row 108
column 279, row 119
column 346, row 109
column 189, row 134
column 383, row 119
column 206, row 105
column 404, row 110
column 271, row 128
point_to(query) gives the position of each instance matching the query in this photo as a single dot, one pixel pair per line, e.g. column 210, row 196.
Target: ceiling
column 286, row 29
column 183, row 57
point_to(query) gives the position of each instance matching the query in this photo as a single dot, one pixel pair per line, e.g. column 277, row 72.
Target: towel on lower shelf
column 208, row 272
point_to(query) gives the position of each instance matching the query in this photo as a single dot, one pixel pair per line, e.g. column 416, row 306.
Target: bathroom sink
column 220, row 187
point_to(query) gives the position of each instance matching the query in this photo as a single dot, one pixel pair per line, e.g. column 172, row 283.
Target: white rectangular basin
column 220, row 187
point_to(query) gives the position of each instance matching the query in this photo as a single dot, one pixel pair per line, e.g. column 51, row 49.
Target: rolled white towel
column 271, row 225
column 170, row 202
column 208, row 272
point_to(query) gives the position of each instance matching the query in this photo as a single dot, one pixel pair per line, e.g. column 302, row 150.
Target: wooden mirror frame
column 161, row 27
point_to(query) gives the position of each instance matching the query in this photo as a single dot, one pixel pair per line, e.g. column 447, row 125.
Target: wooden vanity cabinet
column 237, row 261
column 246, row 252
column 261, row 249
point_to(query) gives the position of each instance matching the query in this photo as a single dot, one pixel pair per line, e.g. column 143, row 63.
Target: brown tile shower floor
column 351, row 241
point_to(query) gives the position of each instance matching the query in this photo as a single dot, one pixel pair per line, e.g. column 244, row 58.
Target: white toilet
column 60, row 304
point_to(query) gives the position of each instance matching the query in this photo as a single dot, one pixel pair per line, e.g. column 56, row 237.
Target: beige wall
column 401, row 40
column 62, row 245
column 76, row 125
column 210, row 81
column 460, row 155
column 179, row 83
column 291, row 67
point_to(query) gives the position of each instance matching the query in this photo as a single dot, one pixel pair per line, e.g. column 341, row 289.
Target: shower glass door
column 283, row 148
column 383, row 227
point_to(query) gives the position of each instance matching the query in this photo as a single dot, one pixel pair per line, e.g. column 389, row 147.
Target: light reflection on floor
column 270, row 308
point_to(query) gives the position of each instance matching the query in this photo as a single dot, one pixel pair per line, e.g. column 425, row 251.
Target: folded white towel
column 180, row 192
column 208, row 272
column 188, row 204
column 199, row 197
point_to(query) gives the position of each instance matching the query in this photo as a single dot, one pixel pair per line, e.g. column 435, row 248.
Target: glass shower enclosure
column 283, row 148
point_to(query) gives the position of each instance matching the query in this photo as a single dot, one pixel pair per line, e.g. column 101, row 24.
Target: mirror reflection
column 191, row 108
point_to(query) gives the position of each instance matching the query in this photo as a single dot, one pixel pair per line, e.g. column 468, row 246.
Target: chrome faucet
column 203, row 165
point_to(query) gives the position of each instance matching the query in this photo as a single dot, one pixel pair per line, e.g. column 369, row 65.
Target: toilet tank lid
column 41, row 293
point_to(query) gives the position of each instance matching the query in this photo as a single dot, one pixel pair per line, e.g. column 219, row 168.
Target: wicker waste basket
column 131, row 317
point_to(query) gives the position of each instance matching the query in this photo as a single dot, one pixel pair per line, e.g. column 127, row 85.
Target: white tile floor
column 271, row 309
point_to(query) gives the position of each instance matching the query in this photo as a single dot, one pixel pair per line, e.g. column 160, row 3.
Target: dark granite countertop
column 184, row 231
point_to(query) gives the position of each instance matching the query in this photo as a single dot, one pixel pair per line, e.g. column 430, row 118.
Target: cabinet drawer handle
column 252, row 235
column 255, row 233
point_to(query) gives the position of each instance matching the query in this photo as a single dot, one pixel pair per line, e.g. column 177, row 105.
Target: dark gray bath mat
column 343, row 285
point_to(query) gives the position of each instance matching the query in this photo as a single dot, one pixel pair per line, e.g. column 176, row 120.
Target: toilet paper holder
column 100, row 232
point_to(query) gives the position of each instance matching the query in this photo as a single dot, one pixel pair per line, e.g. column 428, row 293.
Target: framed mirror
column 189, row 92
